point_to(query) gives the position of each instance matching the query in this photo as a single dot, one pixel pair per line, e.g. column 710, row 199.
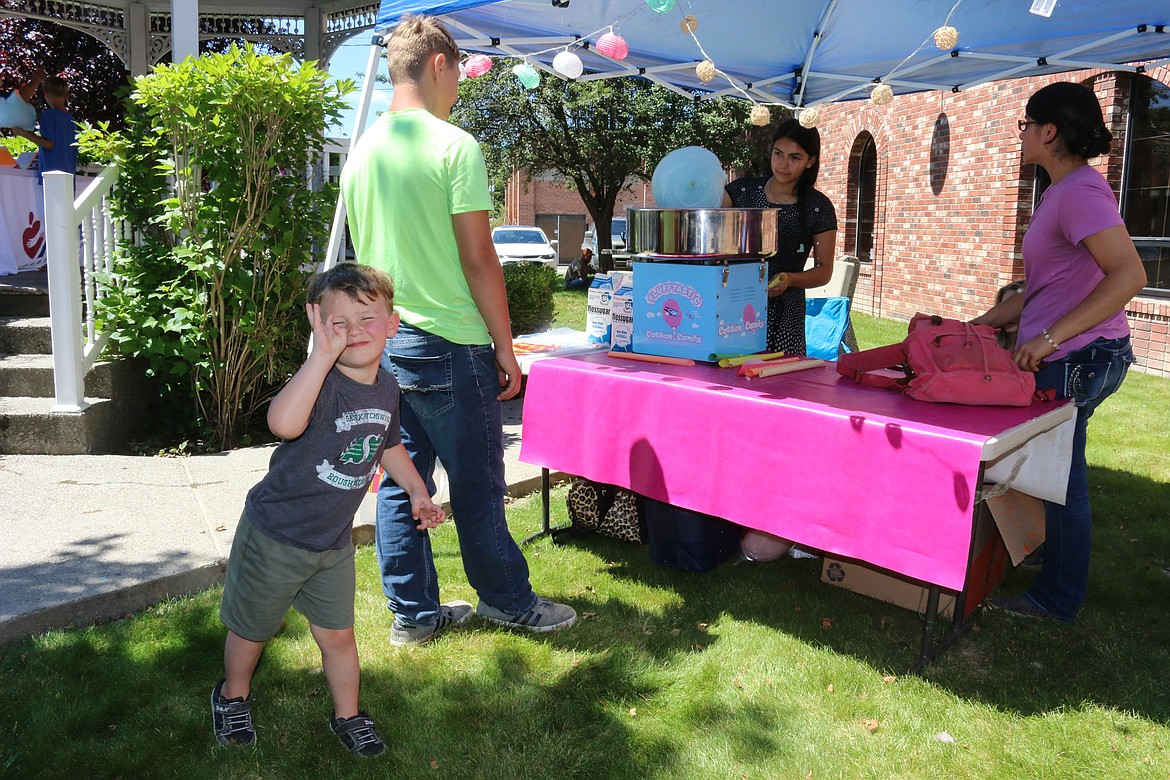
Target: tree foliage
column 597, row 134
column 214, row 167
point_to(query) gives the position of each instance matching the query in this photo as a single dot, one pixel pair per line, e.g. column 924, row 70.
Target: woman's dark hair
column 808, row 139
column 1076, row 112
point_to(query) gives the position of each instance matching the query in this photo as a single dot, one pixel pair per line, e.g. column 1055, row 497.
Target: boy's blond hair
column 414, row 41
column 359, row 282
column 55, row 86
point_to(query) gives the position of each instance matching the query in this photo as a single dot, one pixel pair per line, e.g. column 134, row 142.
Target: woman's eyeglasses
column 1023, row 123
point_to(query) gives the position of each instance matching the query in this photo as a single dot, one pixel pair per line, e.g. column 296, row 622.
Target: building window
column 1145, row 194
column 862, row 207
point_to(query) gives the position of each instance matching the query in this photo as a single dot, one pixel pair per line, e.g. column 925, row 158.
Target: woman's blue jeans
column 449, row 411
column 1088, row 376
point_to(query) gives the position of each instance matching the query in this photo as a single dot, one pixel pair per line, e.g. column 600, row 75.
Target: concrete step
column 32, row 376
column 24, row 302
column 27, row 427
column 26, row 336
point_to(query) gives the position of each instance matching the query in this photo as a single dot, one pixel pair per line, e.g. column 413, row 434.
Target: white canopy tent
column 803, row 52
column 797, row 53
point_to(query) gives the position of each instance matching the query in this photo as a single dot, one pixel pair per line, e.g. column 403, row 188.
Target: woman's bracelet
column 1050, row 340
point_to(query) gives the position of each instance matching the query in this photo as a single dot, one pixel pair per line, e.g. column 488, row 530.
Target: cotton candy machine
column 700, row 280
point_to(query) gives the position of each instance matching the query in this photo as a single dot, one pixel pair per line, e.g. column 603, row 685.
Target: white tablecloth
column 22, row 222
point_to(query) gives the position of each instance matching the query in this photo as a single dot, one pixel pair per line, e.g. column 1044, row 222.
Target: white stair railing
column 80, row 241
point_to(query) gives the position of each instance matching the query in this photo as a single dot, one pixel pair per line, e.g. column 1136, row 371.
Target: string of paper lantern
column 568, row 64
column 945, row 38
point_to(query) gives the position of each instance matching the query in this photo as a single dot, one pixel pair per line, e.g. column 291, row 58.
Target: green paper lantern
column 661, row 6
column 527, row 75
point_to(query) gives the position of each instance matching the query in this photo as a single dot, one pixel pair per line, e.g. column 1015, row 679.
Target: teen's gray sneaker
column 450, row 614
column 231, row 719
column 358, row 735
column 544, row 616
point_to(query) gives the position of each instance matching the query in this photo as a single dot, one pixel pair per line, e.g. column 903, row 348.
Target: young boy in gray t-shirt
column 337, row 419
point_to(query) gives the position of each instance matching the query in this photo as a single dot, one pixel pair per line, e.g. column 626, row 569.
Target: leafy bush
column 530, row 296
column 214, row 173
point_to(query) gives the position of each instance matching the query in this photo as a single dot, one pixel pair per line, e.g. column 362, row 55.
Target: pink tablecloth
column 856, row 471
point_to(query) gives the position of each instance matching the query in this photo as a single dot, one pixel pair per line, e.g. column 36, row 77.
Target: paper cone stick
column 670, row 361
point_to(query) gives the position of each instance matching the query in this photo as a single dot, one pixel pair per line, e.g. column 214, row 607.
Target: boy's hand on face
column 329, row 337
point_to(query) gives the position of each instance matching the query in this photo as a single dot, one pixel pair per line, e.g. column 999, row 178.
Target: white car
column 516, row 244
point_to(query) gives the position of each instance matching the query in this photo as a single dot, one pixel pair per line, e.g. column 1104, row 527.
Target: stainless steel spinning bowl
column 701, row 232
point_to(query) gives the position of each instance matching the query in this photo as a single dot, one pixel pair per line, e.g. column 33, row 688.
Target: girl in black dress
column 807, row 223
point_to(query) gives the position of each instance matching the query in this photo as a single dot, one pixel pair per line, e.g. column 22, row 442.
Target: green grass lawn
column 748, row 671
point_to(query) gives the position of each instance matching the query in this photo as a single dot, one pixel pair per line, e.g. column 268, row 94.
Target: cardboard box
column 697, row 311
column 984, row 575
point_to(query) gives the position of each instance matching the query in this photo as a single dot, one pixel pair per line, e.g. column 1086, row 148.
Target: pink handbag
column 945, row 361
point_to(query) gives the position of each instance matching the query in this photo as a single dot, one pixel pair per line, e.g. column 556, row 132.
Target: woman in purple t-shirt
column 1081, row 269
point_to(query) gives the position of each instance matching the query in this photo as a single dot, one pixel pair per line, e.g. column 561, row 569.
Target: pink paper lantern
column 477, row 65
column 613, row 46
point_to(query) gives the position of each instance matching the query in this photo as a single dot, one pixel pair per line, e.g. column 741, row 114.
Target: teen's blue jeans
column 1088, row 376
column 449, row 411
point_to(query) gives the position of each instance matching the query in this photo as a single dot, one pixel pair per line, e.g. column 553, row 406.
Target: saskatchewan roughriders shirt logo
column 360, row 450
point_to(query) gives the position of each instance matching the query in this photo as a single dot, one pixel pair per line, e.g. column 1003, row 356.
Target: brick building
column 932, row 196
column 555, row 206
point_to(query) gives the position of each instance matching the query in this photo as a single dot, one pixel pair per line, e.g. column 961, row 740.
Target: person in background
column 580, row 272
column 17, row 112
column 416, row 191
column 1080, row 269
column 58, row 130
column 1006, row 335
column 337, row 418
column 807, row 224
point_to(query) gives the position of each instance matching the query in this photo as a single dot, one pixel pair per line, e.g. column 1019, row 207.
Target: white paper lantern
column 761, row 116
column 568, row 64
column 946, row 37
column 809, row 117
column 705, row 70
column 613, row 46
column 881, row 95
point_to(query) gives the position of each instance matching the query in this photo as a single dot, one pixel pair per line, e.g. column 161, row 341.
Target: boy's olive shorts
column 265, row 577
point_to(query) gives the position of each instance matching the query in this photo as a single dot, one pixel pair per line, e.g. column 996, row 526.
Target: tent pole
column 337, row 231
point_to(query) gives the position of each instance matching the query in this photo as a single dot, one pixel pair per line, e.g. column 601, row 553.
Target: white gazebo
column 141, row 34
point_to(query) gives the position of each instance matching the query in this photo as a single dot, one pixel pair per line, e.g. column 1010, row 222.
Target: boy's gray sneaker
column 358, row 735
column 231, row 719
column 544, row 616
column 450, row 614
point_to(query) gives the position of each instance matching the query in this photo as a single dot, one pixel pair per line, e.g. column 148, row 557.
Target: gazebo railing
column 80, row 241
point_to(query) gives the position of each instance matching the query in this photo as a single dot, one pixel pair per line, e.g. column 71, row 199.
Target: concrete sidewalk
column 93, row 537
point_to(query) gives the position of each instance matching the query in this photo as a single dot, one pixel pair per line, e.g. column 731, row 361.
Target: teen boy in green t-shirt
column 416, row 192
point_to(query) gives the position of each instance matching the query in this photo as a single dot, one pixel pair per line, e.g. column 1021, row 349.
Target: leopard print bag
column 607, row 509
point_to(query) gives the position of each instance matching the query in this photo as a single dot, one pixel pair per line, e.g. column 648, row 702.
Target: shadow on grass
column 1115, row 656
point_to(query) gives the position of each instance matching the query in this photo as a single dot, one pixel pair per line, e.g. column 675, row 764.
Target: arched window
column 1145, row 192
column 861, row 211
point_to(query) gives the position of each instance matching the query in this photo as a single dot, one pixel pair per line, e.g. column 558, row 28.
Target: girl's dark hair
column 1076, row 112
column 808, row 139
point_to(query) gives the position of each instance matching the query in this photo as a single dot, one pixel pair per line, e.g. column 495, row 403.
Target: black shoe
column 232, row 719
column 358, row 735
